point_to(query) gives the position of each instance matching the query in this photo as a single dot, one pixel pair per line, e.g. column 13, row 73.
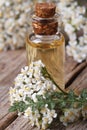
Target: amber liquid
column 51, row 53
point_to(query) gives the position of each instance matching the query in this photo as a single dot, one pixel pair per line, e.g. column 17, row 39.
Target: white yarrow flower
column 31, row 83
column 74, row 21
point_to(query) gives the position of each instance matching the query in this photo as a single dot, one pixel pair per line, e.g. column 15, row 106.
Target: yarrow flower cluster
column 36, row 96
column 75, row 26
column 30, row 83
column 13, row 23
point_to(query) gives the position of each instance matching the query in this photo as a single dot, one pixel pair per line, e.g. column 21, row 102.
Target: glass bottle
column 47, row 46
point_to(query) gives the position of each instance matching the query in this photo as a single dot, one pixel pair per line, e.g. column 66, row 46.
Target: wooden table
column 10, row 65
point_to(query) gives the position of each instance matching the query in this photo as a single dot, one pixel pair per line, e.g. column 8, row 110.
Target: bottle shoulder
column 39, row 41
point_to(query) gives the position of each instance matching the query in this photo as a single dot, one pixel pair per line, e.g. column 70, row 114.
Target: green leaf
column 28, row 99
column 84, row 94
column 71, row 94
column 12, row 109
column 63, row 104
column 52, row 105
column 18, row 106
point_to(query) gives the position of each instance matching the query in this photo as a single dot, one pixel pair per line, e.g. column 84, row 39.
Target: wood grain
column 80, row 82
column 6, row 120
column 10, row 65
column 70, row 77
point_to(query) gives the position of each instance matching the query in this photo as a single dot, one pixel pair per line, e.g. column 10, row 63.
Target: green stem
column 46, row 74
column 57, row 85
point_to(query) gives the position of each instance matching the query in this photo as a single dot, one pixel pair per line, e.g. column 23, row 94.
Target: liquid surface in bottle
column 50, row 52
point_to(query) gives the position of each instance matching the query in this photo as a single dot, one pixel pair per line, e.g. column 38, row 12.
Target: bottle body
column 50, row 50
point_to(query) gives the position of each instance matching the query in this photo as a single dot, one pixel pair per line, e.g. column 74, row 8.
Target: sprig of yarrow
column 53, row 99
column 36, row 96
column 58, row 101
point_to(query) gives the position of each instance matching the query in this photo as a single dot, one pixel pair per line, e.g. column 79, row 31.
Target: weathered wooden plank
column 5, row 117
column 80, row 125
column 8, row 76
column 4, row 106
column 22, row 123
column 9, row 118
column 10, row 55
column 80, row 82
column 12, row 67
column 19, row 124
column 12, row 61
column 70, row 77
column 3, row 91
column 72, row 69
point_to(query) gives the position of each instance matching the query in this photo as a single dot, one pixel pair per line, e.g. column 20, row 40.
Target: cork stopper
column 44, row 21
column 45, row 10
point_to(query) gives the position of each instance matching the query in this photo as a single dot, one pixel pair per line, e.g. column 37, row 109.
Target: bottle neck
column 45, row 37
column 48, row 38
